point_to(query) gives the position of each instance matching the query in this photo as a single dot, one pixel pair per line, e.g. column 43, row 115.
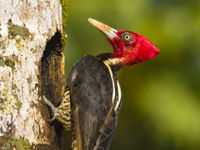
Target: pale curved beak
column 107, row 30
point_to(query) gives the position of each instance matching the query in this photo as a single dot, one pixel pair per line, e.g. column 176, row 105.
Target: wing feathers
column 93, row 103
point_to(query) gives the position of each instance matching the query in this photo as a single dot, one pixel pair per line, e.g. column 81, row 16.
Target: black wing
column 91, row 92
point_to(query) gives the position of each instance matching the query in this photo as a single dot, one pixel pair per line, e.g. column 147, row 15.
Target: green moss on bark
column 9, row 142
column 64, row 21
column 12, row 143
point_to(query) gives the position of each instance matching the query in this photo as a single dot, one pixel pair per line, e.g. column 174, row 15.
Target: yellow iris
column 127, row 37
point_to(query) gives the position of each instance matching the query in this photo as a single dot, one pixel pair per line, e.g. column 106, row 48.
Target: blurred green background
column 161, row 99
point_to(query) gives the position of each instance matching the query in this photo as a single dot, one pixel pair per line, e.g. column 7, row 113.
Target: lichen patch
column 15, row 30
column 9, row 102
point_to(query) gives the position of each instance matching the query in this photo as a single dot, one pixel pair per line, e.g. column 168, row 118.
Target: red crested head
column 129, row 47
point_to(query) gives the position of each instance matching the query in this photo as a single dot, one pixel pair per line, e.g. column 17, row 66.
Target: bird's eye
column 127, row 37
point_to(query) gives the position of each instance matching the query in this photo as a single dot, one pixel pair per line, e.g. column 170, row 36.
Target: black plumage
column 91, row 103
column 94, row 96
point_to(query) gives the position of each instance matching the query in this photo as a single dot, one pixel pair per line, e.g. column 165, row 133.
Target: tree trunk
column 31, row 64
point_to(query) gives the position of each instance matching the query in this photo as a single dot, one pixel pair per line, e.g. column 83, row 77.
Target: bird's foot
column 53, row 108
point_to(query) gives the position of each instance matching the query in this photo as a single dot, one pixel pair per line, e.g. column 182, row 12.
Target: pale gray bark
column 25, row 28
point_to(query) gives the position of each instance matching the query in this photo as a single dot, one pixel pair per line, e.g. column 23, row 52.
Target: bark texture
column 31, row 64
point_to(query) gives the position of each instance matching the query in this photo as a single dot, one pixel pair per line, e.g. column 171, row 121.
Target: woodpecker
column 92, row 100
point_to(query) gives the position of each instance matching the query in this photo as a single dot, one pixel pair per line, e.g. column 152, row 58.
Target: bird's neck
column 112, row 62
column 104, row 56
